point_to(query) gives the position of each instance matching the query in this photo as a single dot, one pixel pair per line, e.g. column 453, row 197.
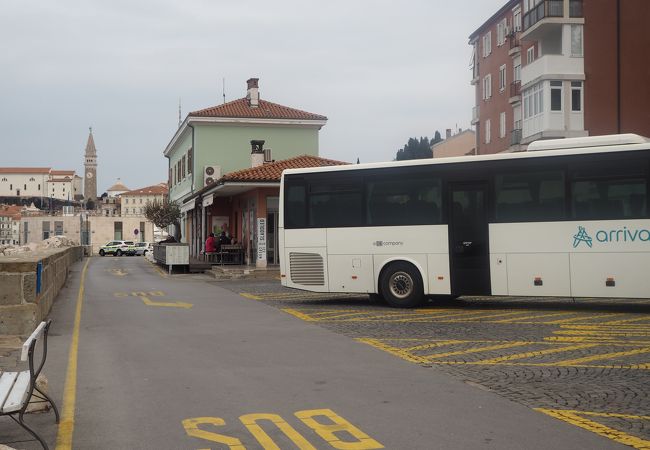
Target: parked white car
column 142, row 248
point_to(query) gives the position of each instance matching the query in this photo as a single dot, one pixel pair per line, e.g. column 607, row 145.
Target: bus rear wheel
column 401, row 285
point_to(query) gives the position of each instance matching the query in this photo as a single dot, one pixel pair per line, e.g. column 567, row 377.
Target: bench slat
column 35, row 335
column 18, row 395
column 7, row 380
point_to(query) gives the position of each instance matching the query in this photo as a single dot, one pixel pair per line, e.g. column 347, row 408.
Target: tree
column 90, row 204
column 436, row 138
column 163, row 214
column 415, row 149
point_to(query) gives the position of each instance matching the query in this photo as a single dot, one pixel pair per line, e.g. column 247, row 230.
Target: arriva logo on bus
column 606, row 236
column 386, row 243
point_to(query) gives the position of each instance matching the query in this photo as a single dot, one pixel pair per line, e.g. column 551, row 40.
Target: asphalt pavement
column 180, row 363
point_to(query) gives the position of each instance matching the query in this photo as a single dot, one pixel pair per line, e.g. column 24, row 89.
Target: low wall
column 23, row 303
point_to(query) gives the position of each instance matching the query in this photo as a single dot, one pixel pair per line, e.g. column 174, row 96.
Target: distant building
column 133, row 202
column 90, row 169
column 117, row 189
column 10, row 224
column 38, row 183
column 560, row 68
column 460, row 144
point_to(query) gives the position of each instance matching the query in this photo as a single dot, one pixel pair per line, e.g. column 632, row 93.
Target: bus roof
column 541, row 149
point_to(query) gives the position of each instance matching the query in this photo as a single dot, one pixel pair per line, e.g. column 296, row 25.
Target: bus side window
column 295, row 206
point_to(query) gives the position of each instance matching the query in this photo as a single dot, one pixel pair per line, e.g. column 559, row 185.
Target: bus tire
column 401, row 285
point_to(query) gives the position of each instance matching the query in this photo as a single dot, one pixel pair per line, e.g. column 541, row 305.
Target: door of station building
column 469, row 238
column 272, row 255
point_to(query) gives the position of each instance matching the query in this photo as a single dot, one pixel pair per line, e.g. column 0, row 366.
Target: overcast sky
column 381, row 71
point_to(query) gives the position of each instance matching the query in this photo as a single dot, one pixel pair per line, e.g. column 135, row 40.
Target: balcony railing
column 514, row 41
column 515, row 136
column 515, row 88
column 548, row 8
column 575, row 8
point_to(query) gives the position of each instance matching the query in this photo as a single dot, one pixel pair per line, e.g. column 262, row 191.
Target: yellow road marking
column 602, row 333
column 66, row 425
column 400, row 353
column 531, row 317
column 625, row 321
column 476, row 350
column 299, row 315
column 597, row 340
column 575, row 418
column 184, row 305
column 121, row 295
column 533, row 354
column 159, row 271
column 250, row 296
column 572, row 362
column 118, row 272
column 433, row 345
column 578, row 319
column 488, row 316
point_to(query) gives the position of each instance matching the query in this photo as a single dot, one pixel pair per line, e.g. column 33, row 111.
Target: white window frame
column 487, row 86
column 582, row 97
column 530, row 55
column 516, row 19
column 502, row 78
column 516, row 73
column 487, row 44
column 502, row 125
column 488, row 136
column 575, row 52
column 554, row 86
column 501, row 32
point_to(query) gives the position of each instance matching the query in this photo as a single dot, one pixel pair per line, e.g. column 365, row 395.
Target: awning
column 187, row 207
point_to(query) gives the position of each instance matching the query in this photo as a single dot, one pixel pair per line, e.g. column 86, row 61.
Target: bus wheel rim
column 401, row 285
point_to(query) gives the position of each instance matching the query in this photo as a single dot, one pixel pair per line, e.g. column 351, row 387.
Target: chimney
column 257, row 153
column 253, row 94
column 448, row 133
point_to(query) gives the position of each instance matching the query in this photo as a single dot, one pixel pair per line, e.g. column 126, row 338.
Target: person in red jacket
column 210, row 245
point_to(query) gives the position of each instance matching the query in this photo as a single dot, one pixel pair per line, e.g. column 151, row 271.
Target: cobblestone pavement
column 586, row 362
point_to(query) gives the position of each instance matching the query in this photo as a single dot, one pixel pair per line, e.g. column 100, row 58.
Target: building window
column 25, row 187
column 516, row 72
column 501, row 32
column 32, row 179
column 502, row 78
column 183, row 164
column 117, row 231
column 576, row 96
column 126, row 201
column 140, row 200
column 487, row 131
column 530, row 55
column 516, row 20
column 189, row 161
column 533, row 101
column 487, row 44
column 502, row 125
column 556, row 96
column 576, row 40
column 487, row 86
column 39, row 187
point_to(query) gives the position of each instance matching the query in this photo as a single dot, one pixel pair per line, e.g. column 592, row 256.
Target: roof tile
column 266, row 110
column 272, row 172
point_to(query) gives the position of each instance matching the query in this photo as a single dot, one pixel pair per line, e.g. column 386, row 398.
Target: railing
column 514, row 41
column 515, row 88
column 575, row 8
column 548, row 8
column 474, row 70
column 515, row 136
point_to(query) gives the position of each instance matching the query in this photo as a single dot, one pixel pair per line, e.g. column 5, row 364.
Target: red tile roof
column 266, row 110
column 272, row 172
column 12, row 211
column 62, row 172
column 156, row 189
column 24, row 170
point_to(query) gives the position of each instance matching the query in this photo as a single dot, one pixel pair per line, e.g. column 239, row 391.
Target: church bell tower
column 90, row 164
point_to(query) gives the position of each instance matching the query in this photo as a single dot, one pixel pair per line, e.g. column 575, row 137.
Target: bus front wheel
column 401, row 285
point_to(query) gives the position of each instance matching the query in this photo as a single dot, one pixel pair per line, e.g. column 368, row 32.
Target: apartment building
column 547, row 69
column 134, row 202
column 9, row 224
column 39, row 182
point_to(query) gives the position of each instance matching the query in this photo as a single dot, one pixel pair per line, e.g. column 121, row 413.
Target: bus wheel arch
column 401, row 285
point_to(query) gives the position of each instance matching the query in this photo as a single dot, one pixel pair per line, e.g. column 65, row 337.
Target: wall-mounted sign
column 261, row 239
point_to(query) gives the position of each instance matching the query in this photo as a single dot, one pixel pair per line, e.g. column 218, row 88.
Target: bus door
column 469, row 238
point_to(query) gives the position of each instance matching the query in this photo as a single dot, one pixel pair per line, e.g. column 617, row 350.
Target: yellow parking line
column 601, row 333
column 597, row 340
column 625, row 321
column 531, row 317
column 534, row 354
column 577, row 319
column 400, row 353
column 250, row 296
column 66, row 425
column 572, row 362
column 432, row 345
column 299, row 315
column 475, row 350
column 575, row 418
column 488, row 316
column 417, row 318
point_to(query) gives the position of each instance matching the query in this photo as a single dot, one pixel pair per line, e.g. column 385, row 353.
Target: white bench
column 17, row 388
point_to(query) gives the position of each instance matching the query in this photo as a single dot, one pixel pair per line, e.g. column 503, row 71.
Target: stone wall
column 22, row 308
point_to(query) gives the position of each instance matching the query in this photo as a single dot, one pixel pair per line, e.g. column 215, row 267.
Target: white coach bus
column 567, row 218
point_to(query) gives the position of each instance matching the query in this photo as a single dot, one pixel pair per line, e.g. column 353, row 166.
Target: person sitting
column 223, row 240
column 210, row 246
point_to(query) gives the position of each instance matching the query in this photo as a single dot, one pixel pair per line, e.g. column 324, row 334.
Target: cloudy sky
column 381, row 71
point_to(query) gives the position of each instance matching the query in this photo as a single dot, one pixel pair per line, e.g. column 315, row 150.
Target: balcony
column 515, row 92
column 553, row 66
column 475, row 114
column 515, row 44
column 548, row 8
column 515, row 135
column 475, row 74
